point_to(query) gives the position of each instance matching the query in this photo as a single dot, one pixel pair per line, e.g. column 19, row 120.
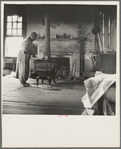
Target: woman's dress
column 22, row 65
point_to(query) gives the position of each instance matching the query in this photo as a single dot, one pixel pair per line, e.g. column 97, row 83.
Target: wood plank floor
column 63, row 98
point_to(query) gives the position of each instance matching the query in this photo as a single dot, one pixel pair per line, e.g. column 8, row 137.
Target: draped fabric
column 96, row 87
column 22, row 65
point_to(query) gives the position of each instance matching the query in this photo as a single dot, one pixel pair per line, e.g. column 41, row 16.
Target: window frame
column 8, row 11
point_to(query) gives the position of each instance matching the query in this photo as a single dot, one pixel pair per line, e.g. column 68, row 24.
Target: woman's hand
column 33, row 56
column 26, row 52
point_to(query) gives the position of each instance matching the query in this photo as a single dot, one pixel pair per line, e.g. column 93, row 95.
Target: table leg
column 49, row 79
column 42, row 81
column 37, row 79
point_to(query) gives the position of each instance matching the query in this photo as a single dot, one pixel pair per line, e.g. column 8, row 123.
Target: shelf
column 63, row 39
column 59, row 39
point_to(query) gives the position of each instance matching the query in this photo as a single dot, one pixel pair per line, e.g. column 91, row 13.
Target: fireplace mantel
column 63, row 48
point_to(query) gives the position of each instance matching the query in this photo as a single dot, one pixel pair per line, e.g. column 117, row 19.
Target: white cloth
column 96, row 87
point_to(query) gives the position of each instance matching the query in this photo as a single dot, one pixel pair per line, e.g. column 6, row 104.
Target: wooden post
column 81, row 58
column 47, row 36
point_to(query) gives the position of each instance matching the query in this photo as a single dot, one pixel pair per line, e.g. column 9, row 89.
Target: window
column 14, row 35
column 13, row 45
column 14, row 26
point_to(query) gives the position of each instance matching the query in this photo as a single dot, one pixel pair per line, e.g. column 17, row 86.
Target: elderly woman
column 22, row 66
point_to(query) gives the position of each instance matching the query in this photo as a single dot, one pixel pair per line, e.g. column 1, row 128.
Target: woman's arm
column 25, row 46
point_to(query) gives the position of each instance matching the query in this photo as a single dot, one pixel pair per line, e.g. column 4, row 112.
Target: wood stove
column 42, row 69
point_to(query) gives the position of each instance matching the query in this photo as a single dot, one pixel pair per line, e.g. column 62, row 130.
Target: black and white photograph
column 60, row 60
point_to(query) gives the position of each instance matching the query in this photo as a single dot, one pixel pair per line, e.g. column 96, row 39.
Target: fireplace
column 63, row 67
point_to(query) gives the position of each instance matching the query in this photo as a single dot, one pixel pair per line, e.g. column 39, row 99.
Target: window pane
column 12, row 46
column 19, row 25
column 9, row 18
column 14, row 31
column 14, row 25
column 19, row 32
column 8, row 31
column 9, row 25
column 14, row 18
column 20, row 19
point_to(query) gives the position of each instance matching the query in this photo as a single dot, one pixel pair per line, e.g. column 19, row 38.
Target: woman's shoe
column 25, row 84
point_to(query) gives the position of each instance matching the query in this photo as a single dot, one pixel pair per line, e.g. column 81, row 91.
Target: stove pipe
column 47, row 37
